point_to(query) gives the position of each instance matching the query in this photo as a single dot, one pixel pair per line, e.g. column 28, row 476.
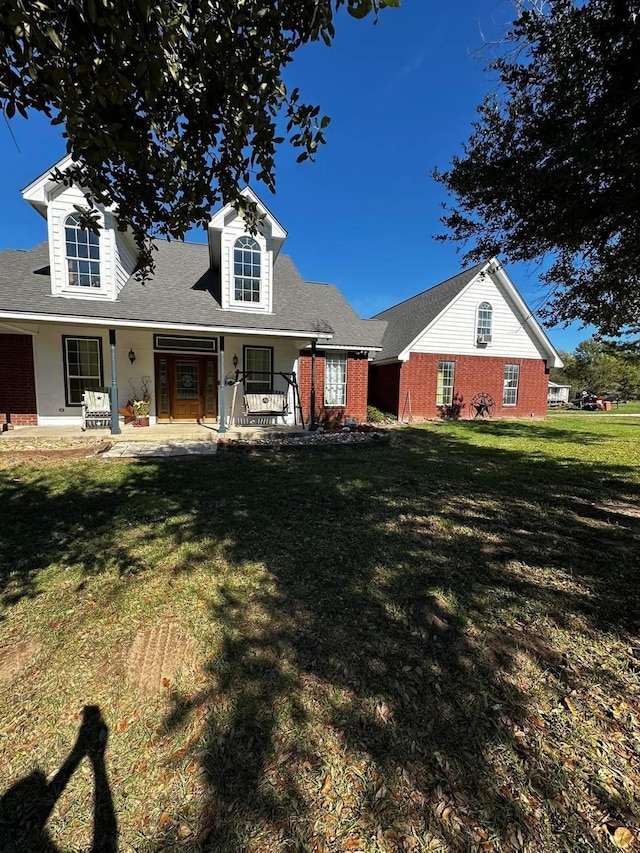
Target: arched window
column 246, row 270
column 485, row 323
column 83, row 253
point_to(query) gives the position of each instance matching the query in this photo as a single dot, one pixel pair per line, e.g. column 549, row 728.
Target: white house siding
column 285, row 353
column 49, row 368
column 455, row 331
column 50, row 378
column 124, row 255
column 229, row 236
column 61, row 205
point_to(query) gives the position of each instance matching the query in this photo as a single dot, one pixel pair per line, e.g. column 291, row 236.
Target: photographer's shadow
column 26, row 807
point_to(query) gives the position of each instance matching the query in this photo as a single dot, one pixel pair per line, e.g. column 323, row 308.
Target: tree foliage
column 168, row 106
column 552, row 168
column 597, row 367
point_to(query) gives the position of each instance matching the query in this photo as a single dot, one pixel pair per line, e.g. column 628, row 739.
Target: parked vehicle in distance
column 593, row 402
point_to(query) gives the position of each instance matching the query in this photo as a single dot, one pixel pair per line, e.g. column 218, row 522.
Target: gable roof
column 180, row 295
column 406, row 320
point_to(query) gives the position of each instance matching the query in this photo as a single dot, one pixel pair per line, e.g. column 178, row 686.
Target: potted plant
column 141, row 412
column 141, row 404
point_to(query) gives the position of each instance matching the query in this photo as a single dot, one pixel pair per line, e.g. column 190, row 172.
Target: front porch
column 39, row 436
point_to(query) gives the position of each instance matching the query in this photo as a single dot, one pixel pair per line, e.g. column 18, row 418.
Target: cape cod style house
column 468, row 347
column 226, row 331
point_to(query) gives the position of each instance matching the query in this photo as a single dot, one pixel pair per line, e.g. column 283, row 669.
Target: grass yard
column 425, row 644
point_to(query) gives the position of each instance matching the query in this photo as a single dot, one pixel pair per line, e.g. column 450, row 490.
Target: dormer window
column 82, row 253
column 484, row 324
column 246, row 270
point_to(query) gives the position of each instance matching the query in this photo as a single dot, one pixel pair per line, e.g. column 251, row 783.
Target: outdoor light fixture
column 235, row 361
column 132, row 355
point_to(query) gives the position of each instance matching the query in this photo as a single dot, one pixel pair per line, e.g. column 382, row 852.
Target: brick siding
column 472, row 375
column 357, row 389
column 17, row 381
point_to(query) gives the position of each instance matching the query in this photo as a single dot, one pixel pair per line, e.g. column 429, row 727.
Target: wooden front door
column 186, row 387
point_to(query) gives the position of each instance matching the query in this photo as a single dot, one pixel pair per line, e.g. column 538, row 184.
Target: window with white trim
column 82, row 251
column 246, row 270
column 511, row 379
column 444, row 384
column 335, row 379
column 258, row 365
column 82, row 367
column 484, row 325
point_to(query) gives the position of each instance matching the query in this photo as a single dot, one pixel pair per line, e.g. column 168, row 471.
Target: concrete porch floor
column 155, row 433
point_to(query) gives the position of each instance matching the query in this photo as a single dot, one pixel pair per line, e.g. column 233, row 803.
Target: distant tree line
column 600, row 367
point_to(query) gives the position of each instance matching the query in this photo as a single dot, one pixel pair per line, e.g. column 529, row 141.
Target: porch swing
column 265, row 407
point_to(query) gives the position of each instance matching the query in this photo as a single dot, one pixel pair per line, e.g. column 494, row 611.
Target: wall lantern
column 132, row 355
column 235, row 361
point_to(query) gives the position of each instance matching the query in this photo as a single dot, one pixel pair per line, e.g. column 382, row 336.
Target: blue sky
column 401, row 96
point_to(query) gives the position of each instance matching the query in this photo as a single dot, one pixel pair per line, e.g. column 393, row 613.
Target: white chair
column 96, row 409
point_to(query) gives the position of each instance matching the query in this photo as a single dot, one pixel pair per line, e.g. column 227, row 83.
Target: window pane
column 335, row 380
column 83, row 254
column 82, row 364
column 444, row 384
column 510, row 389
column 258, row 365
column 485, row 318
column 246, row 267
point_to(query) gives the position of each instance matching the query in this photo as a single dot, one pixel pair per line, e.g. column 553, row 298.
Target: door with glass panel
column 186, row 388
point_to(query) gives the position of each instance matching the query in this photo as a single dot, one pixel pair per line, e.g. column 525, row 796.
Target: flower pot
column 141, row 421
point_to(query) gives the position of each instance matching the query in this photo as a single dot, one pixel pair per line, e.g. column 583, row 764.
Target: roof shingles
column 180, row 293
column 407, row 319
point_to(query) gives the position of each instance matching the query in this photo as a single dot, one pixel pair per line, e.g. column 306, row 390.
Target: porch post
column 313, row 426
column 115, row 417
column 221, row 402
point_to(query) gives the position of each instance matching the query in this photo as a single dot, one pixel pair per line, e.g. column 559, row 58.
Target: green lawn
column 428, row 643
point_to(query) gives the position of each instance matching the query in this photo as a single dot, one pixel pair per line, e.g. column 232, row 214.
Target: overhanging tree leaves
column 553, row 165
column 169, row 106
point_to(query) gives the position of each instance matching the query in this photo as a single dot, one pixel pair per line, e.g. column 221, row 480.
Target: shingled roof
column 180, row 293
column 407, row 319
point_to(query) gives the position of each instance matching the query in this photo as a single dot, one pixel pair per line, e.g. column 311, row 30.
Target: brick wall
column 472, row 375
column 17, row 381
column 357, row 388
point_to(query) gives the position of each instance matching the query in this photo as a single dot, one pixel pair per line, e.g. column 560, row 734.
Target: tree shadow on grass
column 385, row 618
column 374, row 675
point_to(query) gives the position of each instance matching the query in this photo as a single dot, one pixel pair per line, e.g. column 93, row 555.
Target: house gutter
column 148, row 324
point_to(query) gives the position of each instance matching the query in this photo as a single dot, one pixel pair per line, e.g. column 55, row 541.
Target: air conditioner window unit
column 484, row 339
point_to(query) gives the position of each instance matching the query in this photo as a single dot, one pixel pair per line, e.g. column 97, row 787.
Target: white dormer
column 244, row 261
column 83, row 265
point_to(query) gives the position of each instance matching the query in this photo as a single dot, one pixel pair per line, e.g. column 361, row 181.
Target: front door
column 187, row 387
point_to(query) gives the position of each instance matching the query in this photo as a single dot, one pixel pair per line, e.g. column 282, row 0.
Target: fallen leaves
column 384, row 712
column 620, row 835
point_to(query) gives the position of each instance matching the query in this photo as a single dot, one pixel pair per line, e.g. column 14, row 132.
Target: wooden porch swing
column 267, row 406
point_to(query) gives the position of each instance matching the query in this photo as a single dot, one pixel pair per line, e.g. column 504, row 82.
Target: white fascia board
column 40, row 192
column 37, row 190
column 278, row 233
column 70, row 319
column 528, row 320
column 404, row 354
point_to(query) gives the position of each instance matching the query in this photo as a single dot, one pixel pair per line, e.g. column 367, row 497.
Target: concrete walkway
column 146, row 449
